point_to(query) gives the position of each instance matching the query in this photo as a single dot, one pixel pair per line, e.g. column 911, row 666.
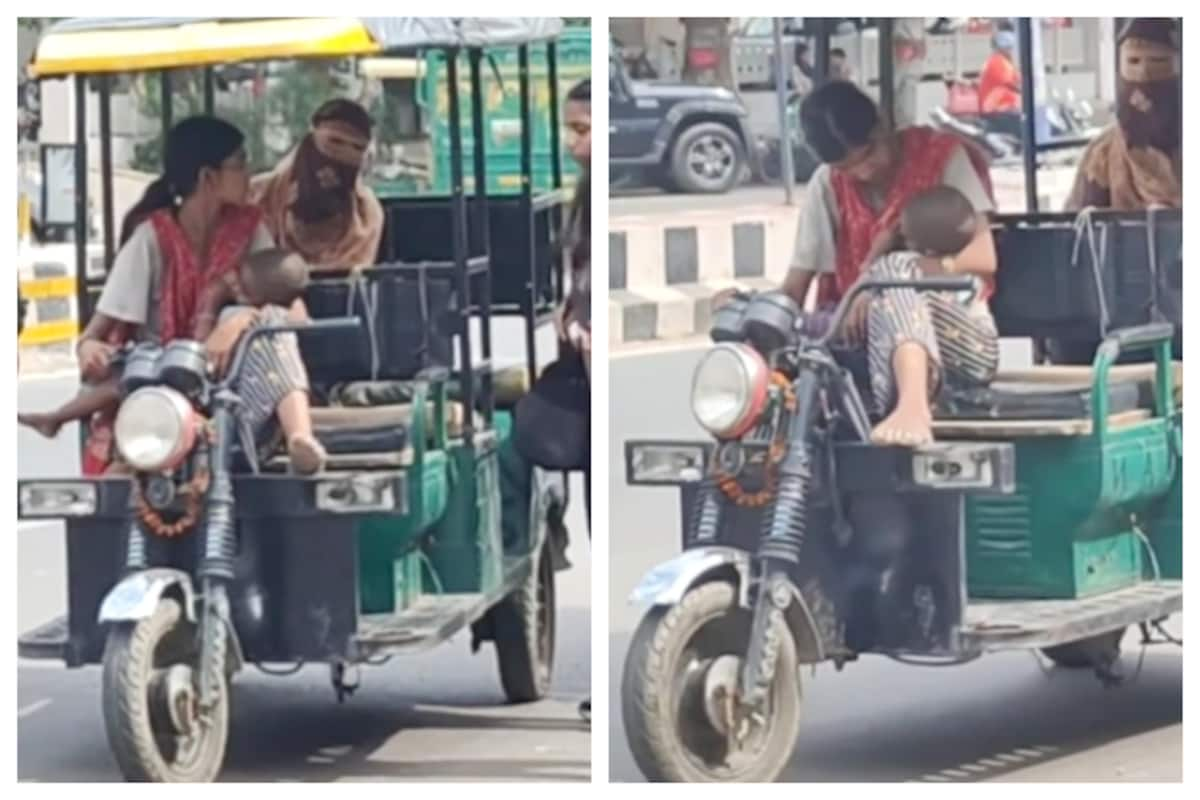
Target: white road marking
column 33, row 708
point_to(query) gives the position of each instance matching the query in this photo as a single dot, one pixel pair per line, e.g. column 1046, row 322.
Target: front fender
column 136, row 596
column 667, row 583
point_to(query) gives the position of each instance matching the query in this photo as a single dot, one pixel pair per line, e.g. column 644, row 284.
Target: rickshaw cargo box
column 405, row 325
column 1067, row 275
column 419, row 229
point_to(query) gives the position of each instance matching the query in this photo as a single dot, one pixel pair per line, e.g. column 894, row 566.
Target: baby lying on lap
column 267, row 278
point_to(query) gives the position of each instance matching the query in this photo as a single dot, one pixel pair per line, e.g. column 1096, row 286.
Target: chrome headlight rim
column 154, row 451
column 750, row 389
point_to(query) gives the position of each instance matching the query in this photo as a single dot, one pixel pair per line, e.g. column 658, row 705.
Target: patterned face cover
column 328, row 163
column 1148, row 108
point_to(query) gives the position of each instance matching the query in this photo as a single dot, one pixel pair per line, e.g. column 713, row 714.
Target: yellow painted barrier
column 44, row 288
column 63, row 330
column 24, row 218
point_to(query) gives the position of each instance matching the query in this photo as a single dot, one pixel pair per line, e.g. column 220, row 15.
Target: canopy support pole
column 482, row 226
column 788, row 170
column 1029, row 110
column 458, row 220
column 81, row 198
column 887, row 71
column 106, row 168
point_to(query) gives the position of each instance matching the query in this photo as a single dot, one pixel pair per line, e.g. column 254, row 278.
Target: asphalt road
column 439, row 716
column 999, row 718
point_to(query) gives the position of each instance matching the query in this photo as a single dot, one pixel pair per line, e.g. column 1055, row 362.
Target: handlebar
column 958, row 283
column 316, row 325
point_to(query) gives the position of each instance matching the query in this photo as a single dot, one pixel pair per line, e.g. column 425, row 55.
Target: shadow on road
column 437, row 716
column 883, row 722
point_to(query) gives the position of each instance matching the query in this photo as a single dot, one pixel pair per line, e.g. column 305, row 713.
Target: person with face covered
column 1137, row 162
column 315, row 202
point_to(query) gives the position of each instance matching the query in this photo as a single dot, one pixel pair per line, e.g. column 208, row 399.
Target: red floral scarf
column 924, row 155
column 183, row 279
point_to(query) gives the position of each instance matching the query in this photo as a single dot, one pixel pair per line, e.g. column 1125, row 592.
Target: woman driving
column 192, row 227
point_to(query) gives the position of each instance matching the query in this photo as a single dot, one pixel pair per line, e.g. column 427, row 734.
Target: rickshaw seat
column 349, row 429
column 1021, row 428
column 1054, row 393
column 370, row 437
column 510, row 385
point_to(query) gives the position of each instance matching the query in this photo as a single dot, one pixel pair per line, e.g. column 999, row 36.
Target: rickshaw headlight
column 729, row 389
column 155, row 429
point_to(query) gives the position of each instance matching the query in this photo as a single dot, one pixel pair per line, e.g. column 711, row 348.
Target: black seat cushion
column 1014, row 401
column 362, row 430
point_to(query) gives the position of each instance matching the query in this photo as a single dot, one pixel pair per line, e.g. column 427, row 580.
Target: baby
column 267, row 278
column 937, row 222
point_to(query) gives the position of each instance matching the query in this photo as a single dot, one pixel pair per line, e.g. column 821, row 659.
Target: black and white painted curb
column 663, row 270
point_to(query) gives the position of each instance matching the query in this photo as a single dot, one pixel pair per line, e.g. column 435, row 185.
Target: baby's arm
column 212, row 300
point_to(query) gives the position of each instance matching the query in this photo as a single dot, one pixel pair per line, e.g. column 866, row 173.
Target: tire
column 524, row 627
column 707, row 146
column 129, row 719
column 649, row 688
column 1085, row 653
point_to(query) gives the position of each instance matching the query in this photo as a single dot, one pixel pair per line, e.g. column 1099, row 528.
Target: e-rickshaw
column 1047, row 515
column 425, row 520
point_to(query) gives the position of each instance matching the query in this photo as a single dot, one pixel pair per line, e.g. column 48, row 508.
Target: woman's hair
column 192, row 145
column 349, row 112
column 581, row 203
column 581, row 220
column 581, row 92
column 837, row 118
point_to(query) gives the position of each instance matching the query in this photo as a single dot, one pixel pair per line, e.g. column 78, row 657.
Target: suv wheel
column 707, row 158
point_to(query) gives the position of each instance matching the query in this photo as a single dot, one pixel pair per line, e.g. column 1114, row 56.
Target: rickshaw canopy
column 103, row 45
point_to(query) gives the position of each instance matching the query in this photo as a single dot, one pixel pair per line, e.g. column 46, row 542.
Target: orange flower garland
column 729, row 483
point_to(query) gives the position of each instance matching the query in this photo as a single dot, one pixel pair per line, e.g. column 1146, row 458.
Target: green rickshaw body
column 1068, row 530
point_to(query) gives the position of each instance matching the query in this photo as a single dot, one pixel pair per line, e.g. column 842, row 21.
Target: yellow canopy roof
column 197, row 44
column 107, row 45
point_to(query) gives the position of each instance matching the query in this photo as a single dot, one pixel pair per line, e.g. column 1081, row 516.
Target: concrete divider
column 665, row 264
column 664, row 268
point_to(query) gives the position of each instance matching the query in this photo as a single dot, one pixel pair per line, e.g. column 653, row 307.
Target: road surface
column 999, row 718
column 438, row 716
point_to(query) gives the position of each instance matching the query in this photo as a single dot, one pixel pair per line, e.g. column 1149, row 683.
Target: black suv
column 681, row 137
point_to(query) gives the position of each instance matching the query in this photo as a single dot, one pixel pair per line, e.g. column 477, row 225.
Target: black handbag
column 552, row 422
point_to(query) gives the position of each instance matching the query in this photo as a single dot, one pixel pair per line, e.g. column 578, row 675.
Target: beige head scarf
column 315, row 202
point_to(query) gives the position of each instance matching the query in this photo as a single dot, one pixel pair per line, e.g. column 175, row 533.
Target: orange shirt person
column 1000, row 81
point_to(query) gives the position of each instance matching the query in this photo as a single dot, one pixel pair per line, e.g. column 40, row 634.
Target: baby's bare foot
column 42, row 423
column 306, row 454
column 905, row 427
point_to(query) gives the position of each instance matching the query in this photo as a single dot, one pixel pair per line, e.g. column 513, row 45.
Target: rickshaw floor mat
column 1000, row 624
column 1055, row 392
column 427, row 620
column 46, row 640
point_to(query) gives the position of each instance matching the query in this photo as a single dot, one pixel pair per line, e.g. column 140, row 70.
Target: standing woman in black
column 573, row 320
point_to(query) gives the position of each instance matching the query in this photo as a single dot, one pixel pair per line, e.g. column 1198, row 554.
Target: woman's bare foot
column 44, row 424
column 306, row 454
column 910, row 425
